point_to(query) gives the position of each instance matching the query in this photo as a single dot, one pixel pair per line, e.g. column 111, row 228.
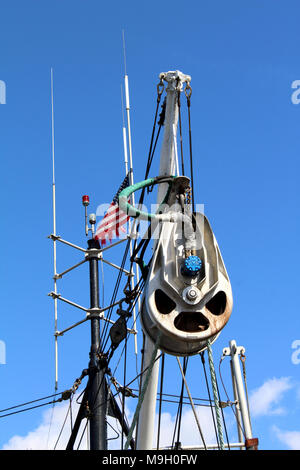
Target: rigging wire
column 179, row 410
column 124, row 395
column 28, row 409
column 192, row 404
column 180, row 131
column 223, row 417
column 85, row 430
column 188, row 93
column 209, row 395
column 104, row 336
column 30, row 402
column 50, row 424
column 63, row 425
column 152, row 148
column 160, row 399
column 91, row 405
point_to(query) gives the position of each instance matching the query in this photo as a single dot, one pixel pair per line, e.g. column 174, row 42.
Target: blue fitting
column 191, row 266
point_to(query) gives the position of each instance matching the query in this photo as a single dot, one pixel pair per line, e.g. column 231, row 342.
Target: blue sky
column 243, row 59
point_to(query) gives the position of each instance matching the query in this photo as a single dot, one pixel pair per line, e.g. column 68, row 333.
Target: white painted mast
column 168, row 166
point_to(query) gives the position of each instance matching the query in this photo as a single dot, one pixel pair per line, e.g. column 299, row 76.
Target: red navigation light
column 85, row 200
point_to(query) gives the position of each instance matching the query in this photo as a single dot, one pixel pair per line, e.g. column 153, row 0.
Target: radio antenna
column 54, row 231
column 132, row 228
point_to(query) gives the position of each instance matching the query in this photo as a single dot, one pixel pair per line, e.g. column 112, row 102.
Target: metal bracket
column 235, row 350
column 95, row 313
column 93, row 253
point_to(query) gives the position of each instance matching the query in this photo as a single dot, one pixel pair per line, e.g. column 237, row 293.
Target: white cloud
column 290, row 438
column 265, row 399
column 189, row 434
column 45, row 435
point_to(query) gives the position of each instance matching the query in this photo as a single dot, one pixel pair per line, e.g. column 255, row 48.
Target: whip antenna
column 54, row 230
column 132, row 229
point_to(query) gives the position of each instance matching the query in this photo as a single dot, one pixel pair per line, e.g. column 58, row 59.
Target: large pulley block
column 188, row 306
column 187, row 295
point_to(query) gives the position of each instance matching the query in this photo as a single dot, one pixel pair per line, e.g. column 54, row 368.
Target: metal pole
column 234, row 352
column 237, row 406
column 167, row 167
column 97, row 389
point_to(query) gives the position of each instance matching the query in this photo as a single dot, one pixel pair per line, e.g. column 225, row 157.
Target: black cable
column 179, row 410
column 29, row 402
column 123, row 401
column 104, row 338
column 148, row 166
column 224, row 423
column 180, row 132
column 91, row 405
column 63, row 425
column 184, row 398
column 160, row 399
column 30, row 408
column 191, row 153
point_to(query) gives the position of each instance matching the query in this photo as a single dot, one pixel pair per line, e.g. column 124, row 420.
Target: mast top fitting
column 175, row 79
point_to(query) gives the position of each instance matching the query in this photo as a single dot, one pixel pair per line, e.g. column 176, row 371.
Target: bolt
column 191, row 294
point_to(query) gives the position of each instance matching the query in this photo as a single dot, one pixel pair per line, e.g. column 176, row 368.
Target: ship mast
column 168, row 166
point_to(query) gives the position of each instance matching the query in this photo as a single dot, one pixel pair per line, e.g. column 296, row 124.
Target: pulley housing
column 188, row 305
column 187, row 295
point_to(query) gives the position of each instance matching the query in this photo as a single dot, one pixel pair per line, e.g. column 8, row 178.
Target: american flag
column 114, row 219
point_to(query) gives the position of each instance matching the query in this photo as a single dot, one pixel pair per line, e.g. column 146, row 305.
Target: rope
column 215, row 393
column 143, row 391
